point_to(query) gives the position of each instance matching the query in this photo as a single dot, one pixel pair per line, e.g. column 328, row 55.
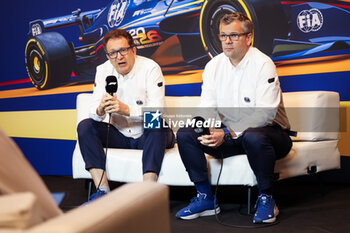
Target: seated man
column 241, row 85
column 141, row 84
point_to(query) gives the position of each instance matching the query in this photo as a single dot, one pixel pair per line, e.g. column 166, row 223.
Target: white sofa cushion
column 324, row 155
column 314, row 148
column 313, row 114
column 125, row 165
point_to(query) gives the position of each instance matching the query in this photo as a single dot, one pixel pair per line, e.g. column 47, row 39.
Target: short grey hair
column 247, row 24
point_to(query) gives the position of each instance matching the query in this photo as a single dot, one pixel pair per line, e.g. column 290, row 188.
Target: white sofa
column 313, row 114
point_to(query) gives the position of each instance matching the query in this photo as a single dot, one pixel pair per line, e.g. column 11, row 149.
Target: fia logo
column 36, row 29
column 151, row 120
column 117, row 12
column 310, row 20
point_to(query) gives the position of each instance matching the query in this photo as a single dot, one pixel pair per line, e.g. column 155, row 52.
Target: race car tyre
column 49, row 60
column 267, row 16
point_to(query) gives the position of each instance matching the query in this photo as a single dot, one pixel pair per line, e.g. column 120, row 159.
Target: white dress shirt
column 244, row 96
column 142, row 87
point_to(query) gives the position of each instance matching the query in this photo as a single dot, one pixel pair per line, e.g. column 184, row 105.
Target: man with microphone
column 138, row 83
column 241, row 85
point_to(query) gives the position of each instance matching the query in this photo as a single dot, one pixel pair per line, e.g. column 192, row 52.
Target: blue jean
column 92, row 137
column 263, row 146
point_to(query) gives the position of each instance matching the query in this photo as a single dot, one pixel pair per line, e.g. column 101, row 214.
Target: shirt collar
column 245, row 59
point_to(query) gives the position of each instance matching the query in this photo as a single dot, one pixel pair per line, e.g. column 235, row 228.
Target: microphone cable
column 103, row 173
column 234, row 225
column 111, row 88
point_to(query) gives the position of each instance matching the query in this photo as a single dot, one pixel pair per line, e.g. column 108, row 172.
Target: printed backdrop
column 60, row 43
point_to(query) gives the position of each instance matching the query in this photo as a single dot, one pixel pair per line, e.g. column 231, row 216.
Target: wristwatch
column 227, row 136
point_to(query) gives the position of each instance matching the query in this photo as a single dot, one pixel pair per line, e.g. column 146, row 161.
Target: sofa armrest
column 19, row 211
column 132, row 208
column 83, row 101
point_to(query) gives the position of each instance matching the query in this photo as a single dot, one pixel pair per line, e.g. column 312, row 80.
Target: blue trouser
column 263, row 146
column 92, row 137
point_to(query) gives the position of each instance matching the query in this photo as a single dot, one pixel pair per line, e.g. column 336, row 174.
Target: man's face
column 123, row 64
column 235, row 50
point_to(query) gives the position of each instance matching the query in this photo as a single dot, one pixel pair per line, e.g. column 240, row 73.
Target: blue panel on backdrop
column 319, row 82
column 192, row 89
column 48, row 157
column 45, row 102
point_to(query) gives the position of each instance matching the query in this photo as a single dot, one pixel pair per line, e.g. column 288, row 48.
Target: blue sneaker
column 267, row 210
column 99, row 193
column 199, row 206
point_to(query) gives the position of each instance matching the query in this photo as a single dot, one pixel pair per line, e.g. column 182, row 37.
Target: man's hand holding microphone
column 212, row 137
column 109, row 103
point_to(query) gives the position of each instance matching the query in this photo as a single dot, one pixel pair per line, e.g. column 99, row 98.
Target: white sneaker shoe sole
column 201, row 214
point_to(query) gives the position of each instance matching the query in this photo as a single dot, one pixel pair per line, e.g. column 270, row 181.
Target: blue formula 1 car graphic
column 180, row 34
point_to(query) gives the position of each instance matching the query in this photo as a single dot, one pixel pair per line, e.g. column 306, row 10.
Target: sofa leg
column 249, row 199
column 89, row 189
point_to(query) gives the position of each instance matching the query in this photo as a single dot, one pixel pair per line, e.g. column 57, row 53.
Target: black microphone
column 199, row 127
column 111, row 84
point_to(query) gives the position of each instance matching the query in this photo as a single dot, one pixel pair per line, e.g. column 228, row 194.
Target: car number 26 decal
column 142, row 37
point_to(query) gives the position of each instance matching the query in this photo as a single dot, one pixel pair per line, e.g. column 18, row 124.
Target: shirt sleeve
column 98, row 92
column 155, row 90
column 207, row 106
column 268, row 98
column 208, row 95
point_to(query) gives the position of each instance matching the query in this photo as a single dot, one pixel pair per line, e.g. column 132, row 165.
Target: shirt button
column 129, row 130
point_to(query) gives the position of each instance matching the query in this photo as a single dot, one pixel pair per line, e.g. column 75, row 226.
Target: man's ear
column 250, row 39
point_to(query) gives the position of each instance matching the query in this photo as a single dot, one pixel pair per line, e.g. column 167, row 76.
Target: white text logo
column 142, row 12
column 36, row 29
column 117, row 12
column 209, row 123
column 310, row 20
